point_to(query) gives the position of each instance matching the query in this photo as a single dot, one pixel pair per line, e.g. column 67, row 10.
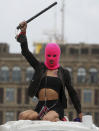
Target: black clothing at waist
column 55, row 104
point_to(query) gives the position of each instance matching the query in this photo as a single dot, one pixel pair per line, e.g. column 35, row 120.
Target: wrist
column 80, row 115
column 23, row 32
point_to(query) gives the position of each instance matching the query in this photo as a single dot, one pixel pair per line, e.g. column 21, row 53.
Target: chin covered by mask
column 52, row 56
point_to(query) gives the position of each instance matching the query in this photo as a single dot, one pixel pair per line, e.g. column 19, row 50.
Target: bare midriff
column 50, row 94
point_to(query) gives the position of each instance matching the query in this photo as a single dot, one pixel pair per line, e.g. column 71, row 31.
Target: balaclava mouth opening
column 52, row 56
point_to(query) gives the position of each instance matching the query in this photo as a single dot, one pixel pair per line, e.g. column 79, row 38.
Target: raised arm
column 22, row 39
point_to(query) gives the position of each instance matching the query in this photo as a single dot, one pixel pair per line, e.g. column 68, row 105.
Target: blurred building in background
column 82, row 60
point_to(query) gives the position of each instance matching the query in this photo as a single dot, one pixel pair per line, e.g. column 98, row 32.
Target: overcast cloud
column 81, row 20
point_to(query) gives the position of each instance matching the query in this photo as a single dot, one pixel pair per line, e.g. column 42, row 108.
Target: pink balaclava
column 52, row 55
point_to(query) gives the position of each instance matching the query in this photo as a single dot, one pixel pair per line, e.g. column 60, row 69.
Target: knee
column 28, row 115
column 53, row 119
column 51, row 116
column 45, row 118
column 21, row 116
column 33, row 116
column 24, row 115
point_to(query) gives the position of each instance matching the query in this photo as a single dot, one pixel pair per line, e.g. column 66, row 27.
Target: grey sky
column 81, row 20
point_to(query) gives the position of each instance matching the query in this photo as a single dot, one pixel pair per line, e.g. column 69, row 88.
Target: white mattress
column 28, row 125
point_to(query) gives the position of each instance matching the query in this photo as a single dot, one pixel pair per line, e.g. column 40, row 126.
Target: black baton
column 41, row 12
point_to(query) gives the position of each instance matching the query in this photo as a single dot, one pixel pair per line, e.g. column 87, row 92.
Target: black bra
column 51, row 83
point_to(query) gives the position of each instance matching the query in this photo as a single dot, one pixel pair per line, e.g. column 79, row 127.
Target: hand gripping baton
column 41, row 12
